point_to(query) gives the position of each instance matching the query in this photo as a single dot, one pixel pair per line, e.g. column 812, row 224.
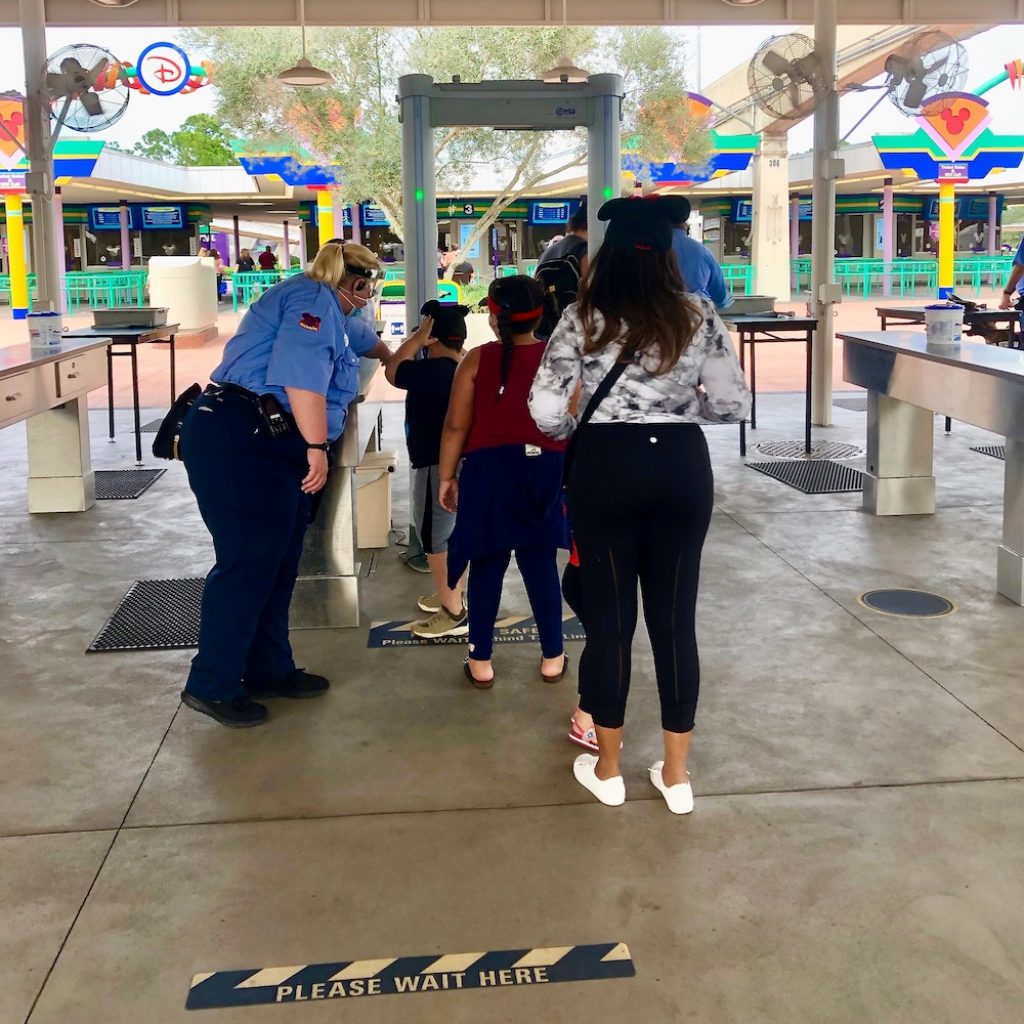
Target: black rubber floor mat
column 152, row 426
column 853, row 404
column 813, row 476
column 997, row 451
column 124, row 484
column 155, row 615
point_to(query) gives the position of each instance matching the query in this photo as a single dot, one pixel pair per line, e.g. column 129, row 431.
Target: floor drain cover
column 997, row 451
column 152, row 426
column 853, row 404
column 115, row 484
column 154, row 615
column 918, row 604
column 813, row 476
column 819, row 450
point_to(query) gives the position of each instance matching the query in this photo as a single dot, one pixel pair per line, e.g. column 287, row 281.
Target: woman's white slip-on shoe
column 609, row 791
column 678, row 797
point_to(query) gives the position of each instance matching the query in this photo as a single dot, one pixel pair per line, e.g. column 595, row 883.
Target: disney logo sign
column 163, row 69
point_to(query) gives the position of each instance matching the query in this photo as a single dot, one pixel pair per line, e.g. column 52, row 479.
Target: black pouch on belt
column 165, row 444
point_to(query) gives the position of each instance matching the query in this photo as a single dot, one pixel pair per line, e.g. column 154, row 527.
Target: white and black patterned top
column 639, row 395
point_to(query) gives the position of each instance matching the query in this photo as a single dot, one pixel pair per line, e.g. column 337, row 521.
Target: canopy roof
column 514, row 12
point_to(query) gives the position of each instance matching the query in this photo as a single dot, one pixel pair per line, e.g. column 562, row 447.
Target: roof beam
column 178, row 13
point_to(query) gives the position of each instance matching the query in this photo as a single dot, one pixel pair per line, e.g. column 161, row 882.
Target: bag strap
column 602, row 392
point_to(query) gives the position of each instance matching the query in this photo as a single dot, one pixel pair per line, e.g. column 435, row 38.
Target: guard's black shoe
column 297, row 685
column 240, row 713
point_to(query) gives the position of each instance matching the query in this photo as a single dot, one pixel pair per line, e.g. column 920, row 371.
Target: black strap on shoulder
column 602, row 392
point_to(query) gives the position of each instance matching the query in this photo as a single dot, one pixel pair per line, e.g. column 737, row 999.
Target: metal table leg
column 807, row 393
column 743, row 422
column 174, row 389
column 135, row 399
column 110, row 390
column 1010, row 564
column 900, row 478
column 753, row 381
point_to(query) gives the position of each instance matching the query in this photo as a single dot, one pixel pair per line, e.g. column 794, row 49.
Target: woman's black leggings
column 640, row 499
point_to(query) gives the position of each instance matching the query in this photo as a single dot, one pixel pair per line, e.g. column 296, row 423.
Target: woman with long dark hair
column 508, row 495
column 654, row 362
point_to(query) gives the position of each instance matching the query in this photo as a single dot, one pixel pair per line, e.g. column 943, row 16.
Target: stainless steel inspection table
column 907, row 382
column 48, row 387
column 772, row 328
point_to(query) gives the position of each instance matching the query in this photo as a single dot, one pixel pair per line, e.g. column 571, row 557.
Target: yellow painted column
column 947, row 237
column 14, row 207
column 325, row 216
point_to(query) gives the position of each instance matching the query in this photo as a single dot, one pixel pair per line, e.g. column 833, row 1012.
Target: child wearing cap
column 427, row 382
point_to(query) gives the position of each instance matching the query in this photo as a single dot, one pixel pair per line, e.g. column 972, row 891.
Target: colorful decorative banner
column 292, row 164
column 730, row 153
column 12, row 131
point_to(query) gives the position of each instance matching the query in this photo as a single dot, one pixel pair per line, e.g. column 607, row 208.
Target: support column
column 60, row 301
column 357, row 226
column 1010, row 565
column 604, row 165
column 993, row 224
column 126, row 237
column 947, row 237
column 324, row 216
column 900, row 478
column 825, row 293
column 287, row 261
column 237, row 238
column 794, row 240
column 17, row 265
column 38, row 149
column 888, row 235
column 419, row 197
column 338, row 206
column 770, row 246
column 303, row 260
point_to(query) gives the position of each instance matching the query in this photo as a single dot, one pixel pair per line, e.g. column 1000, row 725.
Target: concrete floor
column 855, row 854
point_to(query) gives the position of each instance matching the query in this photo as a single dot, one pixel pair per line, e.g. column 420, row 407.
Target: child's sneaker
column 443, row 623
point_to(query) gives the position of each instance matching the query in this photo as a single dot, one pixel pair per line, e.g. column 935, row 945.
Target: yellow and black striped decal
column 451, row 972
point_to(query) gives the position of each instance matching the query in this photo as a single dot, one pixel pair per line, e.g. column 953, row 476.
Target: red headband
column 530, row 314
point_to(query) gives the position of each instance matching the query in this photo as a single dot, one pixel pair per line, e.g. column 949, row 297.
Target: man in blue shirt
column 700, row 271
column 1014, row 285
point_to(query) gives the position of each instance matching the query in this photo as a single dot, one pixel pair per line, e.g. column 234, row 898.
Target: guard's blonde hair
column 329, row 265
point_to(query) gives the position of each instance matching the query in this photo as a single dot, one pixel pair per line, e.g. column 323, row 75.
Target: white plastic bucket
column 944, row 324
column 45, row 329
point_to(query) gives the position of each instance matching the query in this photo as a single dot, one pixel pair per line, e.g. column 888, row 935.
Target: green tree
column 201, row 141
column 354, row 123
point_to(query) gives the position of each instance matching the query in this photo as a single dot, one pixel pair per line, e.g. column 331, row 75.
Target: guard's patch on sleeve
column 309, row 322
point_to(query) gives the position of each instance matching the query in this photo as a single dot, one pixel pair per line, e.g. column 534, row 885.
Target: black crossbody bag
column 599, row 396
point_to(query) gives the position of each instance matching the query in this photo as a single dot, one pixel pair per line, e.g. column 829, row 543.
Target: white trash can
column 373, row 498
column 187, row 286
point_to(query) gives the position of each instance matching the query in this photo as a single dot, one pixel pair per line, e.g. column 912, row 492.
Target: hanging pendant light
column 564, row 70
column 304, row 74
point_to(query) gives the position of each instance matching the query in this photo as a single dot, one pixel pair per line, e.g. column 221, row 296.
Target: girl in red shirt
column 508, row 495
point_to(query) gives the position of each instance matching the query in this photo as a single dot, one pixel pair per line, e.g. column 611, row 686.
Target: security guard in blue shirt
column 255, row 446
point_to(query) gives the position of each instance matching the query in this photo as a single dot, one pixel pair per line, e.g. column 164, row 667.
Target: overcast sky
column 719, row 47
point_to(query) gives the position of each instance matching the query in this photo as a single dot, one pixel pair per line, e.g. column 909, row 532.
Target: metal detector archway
column 595, row 104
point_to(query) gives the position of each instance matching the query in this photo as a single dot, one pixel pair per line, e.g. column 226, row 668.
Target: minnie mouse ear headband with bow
column 643, row 224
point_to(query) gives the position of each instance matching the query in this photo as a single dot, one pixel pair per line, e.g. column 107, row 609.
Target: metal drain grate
column 813, row 476
column 154, row 615
column 912, row 604
column 122, row 484
column 997, row 451
column 819, row 450
column 152, row 426
column 853, row 404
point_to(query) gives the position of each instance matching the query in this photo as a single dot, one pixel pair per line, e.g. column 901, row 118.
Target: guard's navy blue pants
column 540, row 574
column 248, row 488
